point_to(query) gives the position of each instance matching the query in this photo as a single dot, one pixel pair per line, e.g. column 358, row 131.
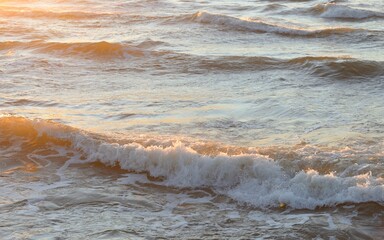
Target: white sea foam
column 309, row 189
column 248, row 178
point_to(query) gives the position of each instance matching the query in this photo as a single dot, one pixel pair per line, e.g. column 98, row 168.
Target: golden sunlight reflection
column 38, row 9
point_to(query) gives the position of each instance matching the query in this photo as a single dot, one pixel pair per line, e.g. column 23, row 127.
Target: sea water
column 169, row 119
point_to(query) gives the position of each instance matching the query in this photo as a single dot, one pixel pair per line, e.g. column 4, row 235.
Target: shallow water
column 191, row 119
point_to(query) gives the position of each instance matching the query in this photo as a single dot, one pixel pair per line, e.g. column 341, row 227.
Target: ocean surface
column 181, row 119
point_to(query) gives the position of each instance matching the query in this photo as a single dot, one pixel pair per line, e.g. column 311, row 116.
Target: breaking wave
column 249, row 176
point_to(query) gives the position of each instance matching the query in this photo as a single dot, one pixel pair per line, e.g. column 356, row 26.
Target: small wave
column 28, row 102
column 350, row 69
column 12, row 30
column 247, row 177
column 320, row 66
column 94, row 50
column 332, row 10
column 273, row 7
column 121, row 116
column 252, row 25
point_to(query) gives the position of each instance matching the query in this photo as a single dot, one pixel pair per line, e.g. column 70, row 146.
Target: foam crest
column 252, row 25
column 249, row 178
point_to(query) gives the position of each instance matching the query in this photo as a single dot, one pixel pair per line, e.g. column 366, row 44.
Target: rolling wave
column 251, row 25
column 321, row 66
column 247, row 177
